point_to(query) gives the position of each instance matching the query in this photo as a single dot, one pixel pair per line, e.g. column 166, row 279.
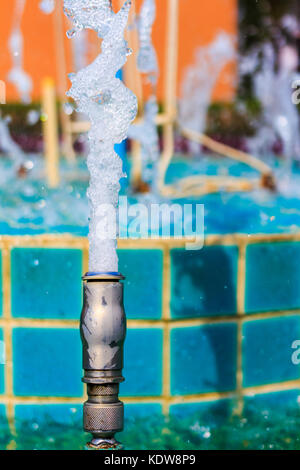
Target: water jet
column 110, row 107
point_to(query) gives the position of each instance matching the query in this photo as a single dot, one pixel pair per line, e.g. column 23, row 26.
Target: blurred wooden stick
column 133, row 80
column 50, row 131
column 59, row 37
column 227, row 151
column 170, row 94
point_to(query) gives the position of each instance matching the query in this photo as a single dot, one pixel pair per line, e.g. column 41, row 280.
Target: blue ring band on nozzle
column 109, row 275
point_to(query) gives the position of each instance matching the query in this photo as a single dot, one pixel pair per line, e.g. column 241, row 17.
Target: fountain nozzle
column 103, row 331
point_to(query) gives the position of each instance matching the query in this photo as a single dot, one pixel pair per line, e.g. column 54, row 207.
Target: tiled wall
column 206, row 328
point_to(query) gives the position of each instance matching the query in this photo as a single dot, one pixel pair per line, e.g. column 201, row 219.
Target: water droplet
column 71, row 33
column 47, row 6
column 103, row 97
column 33, row 116
column 68, row 108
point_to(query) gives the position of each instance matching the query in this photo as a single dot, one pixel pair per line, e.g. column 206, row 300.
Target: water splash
column 146, row 132
column 147, row 58
column 199, row 82
column 17, row 75
column 33, row 117
column 280, row 118
column 8, row 145
column 110, row 107
column 28, row 206
column 47, row 6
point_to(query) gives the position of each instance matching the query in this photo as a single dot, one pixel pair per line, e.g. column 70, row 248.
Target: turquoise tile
column 143, row 362
column 208, row 413
column 133, row 411
column 267, row 350
column 47, row 362
column 3, row 415
column 140, row 420
column 203, row 359
column 4, row 429
column 143, row 284
column 272, row 276
column 277, row 401
column 203, row 283
column 46, row 283
column 1, row 286
column 2, row 361
column 53, row 426
column 42, row 415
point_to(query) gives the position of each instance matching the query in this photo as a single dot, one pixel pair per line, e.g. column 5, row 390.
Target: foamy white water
column 110, row 107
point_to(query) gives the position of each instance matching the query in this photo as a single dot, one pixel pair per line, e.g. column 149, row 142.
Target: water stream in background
column 110, row 107
column 199, row 82
column 23, row 83
column 146, row 131
column 280, row 117
column 9, row 146
column 47, row 6
column 17, row 75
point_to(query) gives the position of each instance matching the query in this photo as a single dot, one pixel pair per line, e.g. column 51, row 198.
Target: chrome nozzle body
column 103, row 331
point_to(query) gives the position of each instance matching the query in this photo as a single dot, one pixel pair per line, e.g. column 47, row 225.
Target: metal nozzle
column 103, row 331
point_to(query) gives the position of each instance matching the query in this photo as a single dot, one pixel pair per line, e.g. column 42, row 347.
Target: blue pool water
column 207, row 288
column 29, row 207
column 258, row 428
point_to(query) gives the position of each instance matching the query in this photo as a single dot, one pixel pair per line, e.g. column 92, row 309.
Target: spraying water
column 147, row 59
column 280, row 118
column 17, row 74
column 146, row 132
column 79, row 50
column 110, row 107
column 199, row 82
column 47, row 6
column 8, row 145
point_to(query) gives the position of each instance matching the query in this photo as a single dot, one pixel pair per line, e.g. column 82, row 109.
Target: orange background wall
column 200, row 20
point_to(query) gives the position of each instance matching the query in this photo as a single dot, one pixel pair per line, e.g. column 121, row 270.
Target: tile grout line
column 85, row 267
column 85, row 259
column 241, row 286
column 166, row 315
column 176, row 399
column 241, row 279
column 141, row 323
column 66, row 240
column 7, row 329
